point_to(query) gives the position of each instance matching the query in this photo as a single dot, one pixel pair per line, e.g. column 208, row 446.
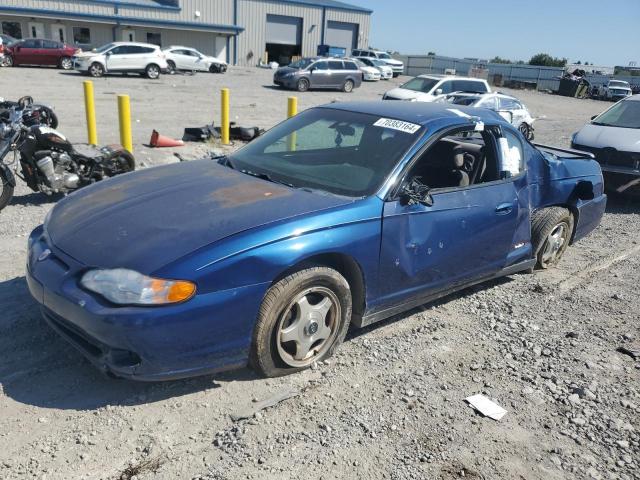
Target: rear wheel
column 348, row 86
column 123, row 163
column 551, row 230
column 66, row 63
column 303, row 85
column 96, row 70
column 303, row 318
column 171, row 67
column 152, row 71
column 6, row 189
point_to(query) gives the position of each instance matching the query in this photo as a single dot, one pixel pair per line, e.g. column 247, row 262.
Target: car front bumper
column 371, row 77
column 210, row 333
column 286, row 82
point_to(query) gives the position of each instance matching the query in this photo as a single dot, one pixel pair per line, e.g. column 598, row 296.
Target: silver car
column 325, row 73
column 614, row 138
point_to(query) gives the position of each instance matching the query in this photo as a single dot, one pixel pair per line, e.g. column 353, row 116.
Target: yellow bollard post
column 292, row 107
column 124, row 115
column 292, row 111
column 90, row 110
column 224, row 124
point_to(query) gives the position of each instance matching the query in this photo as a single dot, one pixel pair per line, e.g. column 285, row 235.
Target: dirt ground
column 390, row 404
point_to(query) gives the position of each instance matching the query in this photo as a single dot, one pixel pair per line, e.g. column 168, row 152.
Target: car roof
column 178, row 46
column 450, row 77
column 420, row 113
column 137, row 44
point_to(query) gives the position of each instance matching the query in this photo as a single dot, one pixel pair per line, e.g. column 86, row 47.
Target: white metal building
column 238, row 31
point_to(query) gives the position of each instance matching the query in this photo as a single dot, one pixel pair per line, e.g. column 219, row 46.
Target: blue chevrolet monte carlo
column 343, row 215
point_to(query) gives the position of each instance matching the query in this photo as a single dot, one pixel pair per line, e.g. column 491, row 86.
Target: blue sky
column 599, row 31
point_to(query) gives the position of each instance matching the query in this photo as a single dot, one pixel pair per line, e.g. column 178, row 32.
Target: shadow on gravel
column 39, row 368
column 623, row 204
column 35, row 199
column 355, row 333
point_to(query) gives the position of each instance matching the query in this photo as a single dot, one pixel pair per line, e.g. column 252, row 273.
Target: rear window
column 469, row 86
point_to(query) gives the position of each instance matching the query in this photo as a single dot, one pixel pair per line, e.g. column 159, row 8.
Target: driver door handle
column 504, row 208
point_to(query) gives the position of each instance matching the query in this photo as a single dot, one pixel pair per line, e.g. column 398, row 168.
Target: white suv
column 122, row 57
column 427, row 88
column 396, row 65
column 190, row 59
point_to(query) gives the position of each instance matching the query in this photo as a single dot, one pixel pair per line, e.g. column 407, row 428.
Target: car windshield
column 378, row 63
column 103, row 48
column 336, row 151
column 386, row 56
column 420, row 84
column 625, row 114
column 464, row 100
column 302, row 63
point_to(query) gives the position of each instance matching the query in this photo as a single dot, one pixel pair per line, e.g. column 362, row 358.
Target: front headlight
column 128, row 287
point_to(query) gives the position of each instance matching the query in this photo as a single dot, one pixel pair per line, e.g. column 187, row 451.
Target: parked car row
column 116, row 57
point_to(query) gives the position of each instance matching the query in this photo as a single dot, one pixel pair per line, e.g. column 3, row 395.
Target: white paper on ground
column 486, row 406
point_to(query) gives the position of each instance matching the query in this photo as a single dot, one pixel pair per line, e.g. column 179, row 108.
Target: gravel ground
column 390, row 404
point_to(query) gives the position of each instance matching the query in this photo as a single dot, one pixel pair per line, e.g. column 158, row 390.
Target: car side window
column 350, row 66
column 511, row 155
column 507, row 104
column 30, row 44
column 120, row 50
column 50, row 45
column 323, row 65
column 490, row 103
column 335, row 65
column 457, row 161
column 446, row 87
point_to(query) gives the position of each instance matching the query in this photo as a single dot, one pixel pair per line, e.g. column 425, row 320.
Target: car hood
column 85, row 54
column 285, row 70
column 369, row 69
column 392, row 62
column 404, row 94
column 147, row 219
column 214, row 60
column 598, row 136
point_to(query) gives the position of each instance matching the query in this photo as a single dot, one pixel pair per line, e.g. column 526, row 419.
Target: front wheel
column 551, row 231
column 7, row 61
column 525, row 129
column 6, row 189
column 302, row 320
column 303, row 85
column 66, row 63
column 96, row 70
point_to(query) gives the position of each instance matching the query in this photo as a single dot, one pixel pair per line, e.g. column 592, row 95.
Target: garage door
column 341, row 34
column 284, row 30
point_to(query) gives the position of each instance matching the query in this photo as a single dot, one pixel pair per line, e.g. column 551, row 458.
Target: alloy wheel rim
column 308, row 326
column 152, row 72
column 96, row 71
column 554, row 244
column 66, row 63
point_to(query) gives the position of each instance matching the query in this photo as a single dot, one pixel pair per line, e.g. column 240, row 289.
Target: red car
column 36, row 51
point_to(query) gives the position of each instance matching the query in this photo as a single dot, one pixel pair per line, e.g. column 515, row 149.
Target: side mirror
column 414, row 193
column 438, row 91
column 108, row 54
column 312, row 69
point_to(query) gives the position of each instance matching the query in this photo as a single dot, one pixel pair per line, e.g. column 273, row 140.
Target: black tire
column 347, row 87
column 152, row 71
column 8, row 61
column 545, row 230
column 271, row 356
column 123, row 163
column 6, row 190
column 214, row 68
column 65, row 63
column 303, row 85
column 396, row 74
column 171, row 67
column 96, row 70
column 525, row 130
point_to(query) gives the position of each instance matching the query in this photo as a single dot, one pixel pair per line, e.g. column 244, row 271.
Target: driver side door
column 466, row 234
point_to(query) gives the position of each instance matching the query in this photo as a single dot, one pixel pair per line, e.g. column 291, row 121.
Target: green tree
column 498, row 59
column 546, row 60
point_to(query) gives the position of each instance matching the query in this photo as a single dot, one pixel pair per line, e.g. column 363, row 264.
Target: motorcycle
column 32, row 113
column 49, row 163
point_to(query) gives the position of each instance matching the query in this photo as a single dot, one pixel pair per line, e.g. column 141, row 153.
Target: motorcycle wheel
column 6, row 190
column 123, row 163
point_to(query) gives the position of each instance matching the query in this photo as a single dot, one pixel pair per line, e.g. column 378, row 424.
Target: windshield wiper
column 267, row 177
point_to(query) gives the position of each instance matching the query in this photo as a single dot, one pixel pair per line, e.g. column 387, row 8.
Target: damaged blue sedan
column 344, row 215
